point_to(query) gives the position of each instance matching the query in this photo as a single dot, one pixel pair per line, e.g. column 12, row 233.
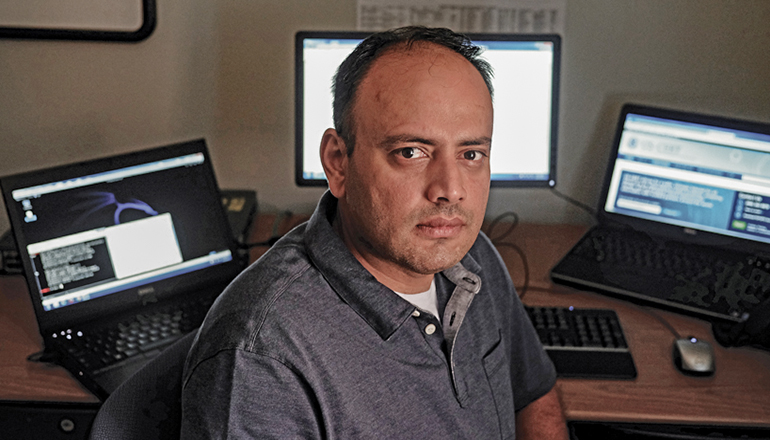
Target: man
column 388, row 315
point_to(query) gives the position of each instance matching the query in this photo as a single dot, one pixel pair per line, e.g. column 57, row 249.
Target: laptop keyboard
column 583, row 342
column 144, row 334
column 698, row 277
column 631, row 248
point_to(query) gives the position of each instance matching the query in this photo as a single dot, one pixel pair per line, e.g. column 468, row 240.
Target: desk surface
column 738, row 394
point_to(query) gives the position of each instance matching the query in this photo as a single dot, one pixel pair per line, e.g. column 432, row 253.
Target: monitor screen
column 689, row 170
column 526, row 96
column 93, row 229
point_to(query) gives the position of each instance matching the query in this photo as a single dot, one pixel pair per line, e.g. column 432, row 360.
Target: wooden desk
column 738, row 394
column 20, row 337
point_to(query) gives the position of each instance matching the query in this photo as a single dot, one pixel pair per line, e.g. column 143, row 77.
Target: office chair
column 149, row 404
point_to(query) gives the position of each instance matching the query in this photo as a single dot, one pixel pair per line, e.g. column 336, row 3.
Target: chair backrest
column 148, row 404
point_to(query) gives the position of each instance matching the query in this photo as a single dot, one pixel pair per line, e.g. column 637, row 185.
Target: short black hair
column 352, row 71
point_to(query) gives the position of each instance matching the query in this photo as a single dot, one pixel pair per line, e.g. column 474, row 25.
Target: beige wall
column 223, row 70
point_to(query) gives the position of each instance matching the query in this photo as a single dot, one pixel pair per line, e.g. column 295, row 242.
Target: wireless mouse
column 694, row 357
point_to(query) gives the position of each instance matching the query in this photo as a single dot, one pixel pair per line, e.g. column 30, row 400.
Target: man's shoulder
column 279, row 280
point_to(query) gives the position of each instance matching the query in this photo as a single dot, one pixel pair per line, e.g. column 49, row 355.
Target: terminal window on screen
column 115, row 252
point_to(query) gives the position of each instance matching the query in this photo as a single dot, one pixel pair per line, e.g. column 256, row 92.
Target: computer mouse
column 694, row 357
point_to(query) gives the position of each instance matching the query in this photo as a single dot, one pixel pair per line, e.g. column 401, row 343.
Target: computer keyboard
column 708, row 281
column 585, row 343
column 106, row 347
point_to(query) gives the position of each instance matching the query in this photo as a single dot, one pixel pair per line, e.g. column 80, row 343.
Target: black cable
column 581, row 205
column 660, row 319
column 498, row 219
column 524, row 263
column 497, row 242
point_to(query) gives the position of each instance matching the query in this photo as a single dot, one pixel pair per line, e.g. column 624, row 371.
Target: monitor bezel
column 299, row 146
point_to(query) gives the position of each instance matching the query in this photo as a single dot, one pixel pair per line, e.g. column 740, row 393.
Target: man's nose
column 446, row 183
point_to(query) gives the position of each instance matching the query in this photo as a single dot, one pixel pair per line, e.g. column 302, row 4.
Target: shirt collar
column 384, row 311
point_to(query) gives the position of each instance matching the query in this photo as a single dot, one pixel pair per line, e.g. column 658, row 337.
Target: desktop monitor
column 526, row 97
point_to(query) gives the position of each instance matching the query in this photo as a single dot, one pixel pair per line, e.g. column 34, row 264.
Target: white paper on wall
column 470, row 16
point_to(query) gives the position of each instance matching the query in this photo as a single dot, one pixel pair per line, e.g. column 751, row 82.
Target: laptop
column 122, row 256
column 684, row 216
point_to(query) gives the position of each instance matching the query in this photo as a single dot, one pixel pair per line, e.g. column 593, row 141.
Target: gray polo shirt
column 306, row 343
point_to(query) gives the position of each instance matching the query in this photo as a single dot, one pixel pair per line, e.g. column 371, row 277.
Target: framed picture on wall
column 113, row 20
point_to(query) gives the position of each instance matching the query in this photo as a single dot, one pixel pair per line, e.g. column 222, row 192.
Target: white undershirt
column 425, row 301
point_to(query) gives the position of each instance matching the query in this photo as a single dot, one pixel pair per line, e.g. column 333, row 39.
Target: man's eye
column 409, row 152
column 473, row 155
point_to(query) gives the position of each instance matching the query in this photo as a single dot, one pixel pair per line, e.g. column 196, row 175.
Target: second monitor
column 526, row 97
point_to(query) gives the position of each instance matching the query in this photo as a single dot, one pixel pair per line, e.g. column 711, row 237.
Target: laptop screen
column 698, row 172
column 92, row 230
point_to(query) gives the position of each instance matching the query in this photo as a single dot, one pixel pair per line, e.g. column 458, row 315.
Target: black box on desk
column 240, row 206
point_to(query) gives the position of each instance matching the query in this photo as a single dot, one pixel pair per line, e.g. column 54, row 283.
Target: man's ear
column 334, row 158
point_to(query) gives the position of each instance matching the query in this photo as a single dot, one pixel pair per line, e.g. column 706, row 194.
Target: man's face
column 415, row 188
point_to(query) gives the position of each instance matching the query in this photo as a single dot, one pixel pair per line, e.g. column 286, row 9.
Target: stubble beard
column 393, row 239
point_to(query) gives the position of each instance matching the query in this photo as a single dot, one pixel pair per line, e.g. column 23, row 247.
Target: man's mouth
column 439, row 227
